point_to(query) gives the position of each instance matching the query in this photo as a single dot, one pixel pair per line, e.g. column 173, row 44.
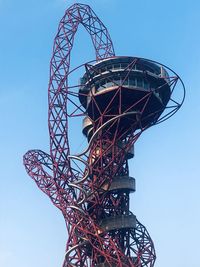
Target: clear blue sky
column 166, row 165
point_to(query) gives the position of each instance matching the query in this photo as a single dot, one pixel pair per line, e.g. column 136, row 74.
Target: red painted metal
column 79, row 185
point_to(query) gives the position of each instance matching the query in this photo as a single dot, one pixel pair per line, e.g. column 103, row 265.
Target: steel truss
column 83, row 193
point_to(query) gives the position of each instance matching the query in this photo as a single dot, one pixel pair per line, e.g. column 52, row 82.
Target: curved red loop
column 59, row 69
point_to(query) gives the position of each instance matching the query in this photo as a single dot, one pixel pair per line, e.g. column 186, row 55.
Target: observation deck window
column 117, row 81
column 146, row 84
column 151, row 70
column 125, row 82
column 123, row 65
column 116, row 66
column 109, row 84
column 139, row 67
column 121, row 81
column 132, row 82
column 140, row 82
column 109, row 67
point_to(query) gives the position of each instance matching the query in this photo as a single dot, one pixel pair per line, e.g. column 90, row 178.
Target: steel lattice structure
column 119, row 97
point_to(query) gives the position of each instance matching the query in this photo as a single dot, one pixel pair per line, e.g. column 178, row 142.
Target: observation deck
column 122, row 84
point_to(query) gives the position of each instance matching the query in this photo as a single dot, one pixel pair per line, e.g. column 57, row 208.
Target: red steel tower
column 118, row 98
